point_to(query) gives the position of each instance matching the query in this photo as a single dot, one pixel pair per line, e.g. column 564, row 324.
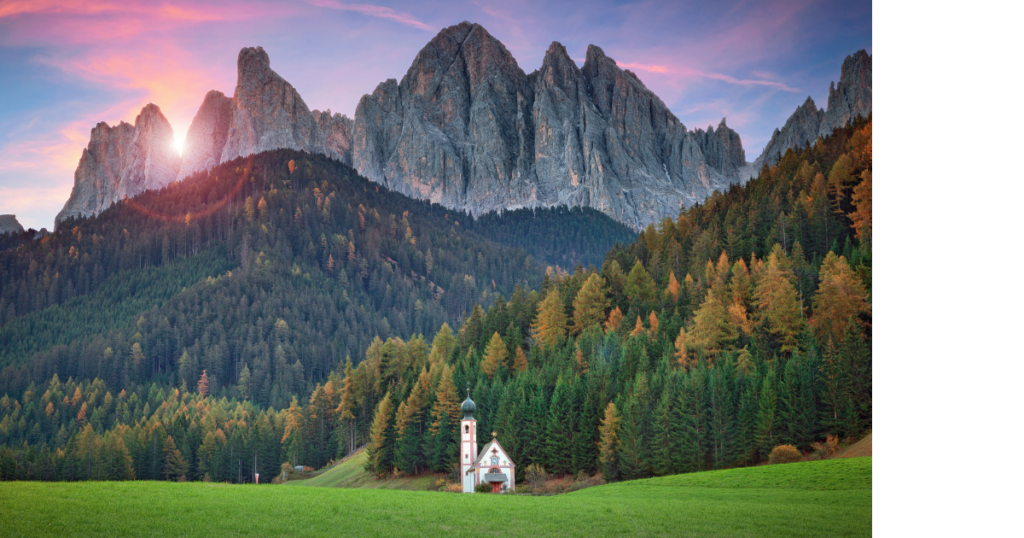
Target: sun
column 179, row 144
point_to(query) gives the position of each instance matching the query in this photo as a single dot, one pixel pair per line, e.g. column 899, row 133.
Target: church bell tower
column 467, row 455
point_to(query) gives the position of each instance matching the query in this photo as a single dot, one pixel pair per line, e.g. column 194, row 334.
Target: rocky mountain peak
column 9, row 224
column 122, row 162
column 847, row 100
column 852, row 96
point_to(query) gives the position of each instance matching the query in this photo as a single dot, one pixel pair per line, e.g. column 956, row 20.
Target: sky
column 66, row 65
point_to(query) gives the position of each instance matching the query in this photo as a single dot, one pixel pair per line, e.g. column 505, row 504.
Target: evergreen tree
column 559, row 434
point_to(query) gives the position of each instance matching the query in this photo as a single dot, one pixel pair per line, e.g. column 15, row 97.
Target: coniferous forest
column 281, row 308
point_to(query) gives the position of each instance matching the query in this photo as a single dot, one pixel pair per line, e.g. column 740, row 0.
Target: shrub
column 536, row 476
column 482, row 487
column 785, row 454
column 827, row 449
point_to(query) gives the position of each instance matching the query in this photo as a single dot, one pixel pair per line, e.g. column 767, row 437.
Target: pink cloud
column 373, row 11
column 687, row 71
column 162, row 74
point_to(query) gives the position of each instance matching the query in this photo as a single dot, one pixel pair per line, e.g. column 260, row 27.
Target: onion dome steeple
column 468, row 407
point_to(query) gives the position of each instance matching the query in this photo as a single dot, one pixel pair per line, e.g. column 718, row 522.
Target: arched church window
column 467, row 428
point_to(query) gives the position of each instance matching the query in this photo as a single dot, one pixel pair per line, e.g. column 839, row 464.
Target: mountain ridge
column 467, row 128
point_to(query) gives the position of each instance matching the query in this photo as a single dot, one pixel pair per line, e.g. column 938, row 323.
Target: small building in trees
column 492, row 465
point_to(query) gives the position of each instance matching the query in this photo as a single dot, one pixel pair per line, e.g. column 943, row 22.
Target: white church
column 492, row 465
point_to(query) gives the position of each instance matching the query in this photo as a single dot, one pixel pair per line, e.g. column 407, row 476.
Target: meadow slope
column 824, row 498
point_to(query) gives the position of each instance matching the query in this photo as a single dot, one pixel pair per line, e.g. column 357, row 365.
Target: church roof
column 485, row 452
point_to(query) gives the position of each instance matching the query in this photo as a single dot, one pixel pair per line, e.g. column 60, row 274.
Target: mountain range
column 467, row 128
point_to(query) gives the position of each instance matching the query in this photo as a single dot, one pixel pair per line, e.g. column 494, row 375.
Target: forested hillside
column 741, row 325
column 281, row 264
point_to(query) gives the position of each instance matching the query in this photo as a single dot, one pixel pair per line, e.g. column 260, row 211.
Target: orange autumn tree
column 549, row 325
column 840, row 299
column 589, row 304
column 614, row 319
column 861, row 217
column 778, row 304
column 711, row 331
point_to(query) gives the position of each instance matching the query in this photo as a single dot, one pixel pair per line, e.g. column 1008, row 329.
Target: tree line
column 703, row 344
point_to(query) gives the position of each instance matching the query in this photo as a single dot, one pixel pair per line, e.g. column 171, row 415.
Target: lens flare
column 202, row 212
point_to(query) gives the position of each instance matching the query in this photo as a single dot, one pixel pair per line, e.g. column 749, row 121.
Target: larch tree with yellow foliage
column 549, row 325
column 590, row 304
column 840, row 299
column 711, row 332
column 494, row 355
column 778, row 305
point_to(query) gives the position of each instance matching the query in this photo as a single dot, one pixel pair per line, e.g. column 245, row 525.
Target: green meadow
column 823, row 498
column 352, row 473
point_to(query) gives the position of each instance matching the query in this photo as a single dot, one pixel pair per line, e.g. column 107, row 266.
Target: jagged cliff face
column 850, row 99
column 9, row 224
column 467, row 128
column 122, row 162
column 265, row 113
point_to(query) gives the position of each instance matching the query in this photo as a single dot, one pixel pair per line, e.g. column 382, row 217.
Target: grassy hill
column 822, row 498
column 351, row 473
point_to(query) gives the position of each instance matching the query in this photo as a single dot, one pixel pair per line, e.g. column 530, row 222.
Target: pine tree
column 691, row 422
column 767, row 407
column 585, row 438
column 559, row 438
column 634, row 432
column 244, row 380
column 175, row 467
column 185, row 369
column 720, row 418
column 410, row 455
column 665, row 445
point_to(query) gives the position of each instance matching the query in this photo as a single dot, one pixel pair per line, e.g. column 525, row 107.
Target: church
column 491, row 466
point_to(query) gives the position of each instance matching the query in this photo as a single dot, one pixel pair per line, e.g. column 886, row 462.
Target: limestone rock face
column 850, row 99
column 9, row 224
column 468, row 129
column 334, row 135
column 801, row 129
column 852, row 96
column 207, row 134
column 122, row 162
column 266, row 113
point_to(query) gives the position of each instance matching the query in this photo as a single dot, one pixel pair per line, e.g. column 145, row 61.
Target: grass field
column 350, row 473
column 822, row 498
